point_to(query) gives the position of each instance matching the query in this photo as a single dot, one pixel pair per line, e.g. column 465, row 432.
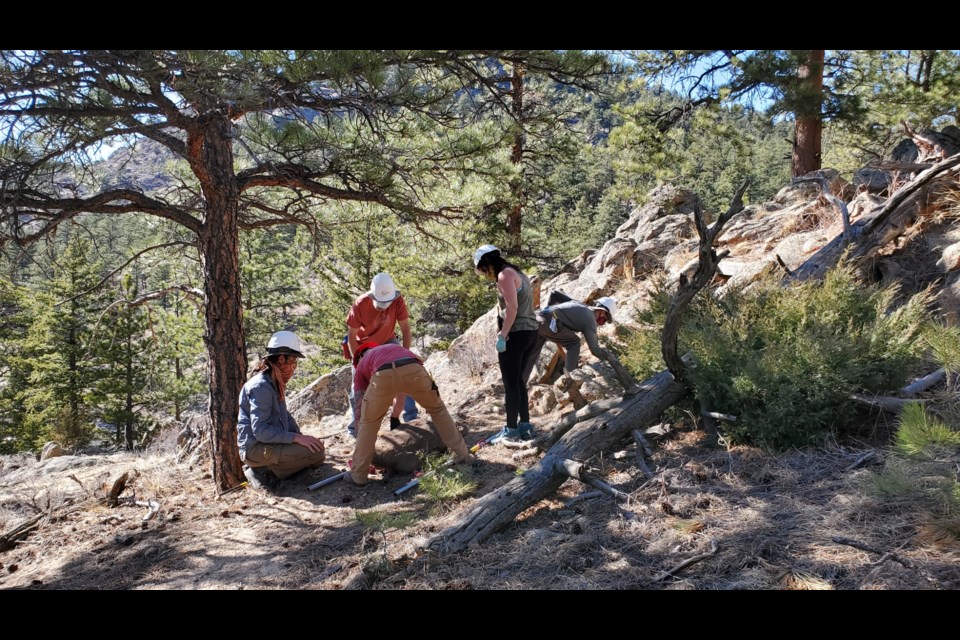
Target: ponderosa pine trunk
column 515, row 217
column 211, row 156
column 809, row 125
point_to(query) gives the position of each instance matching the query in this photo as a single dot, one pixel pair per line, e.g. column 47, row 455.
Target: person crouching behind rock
column 271, row 445
column 381, row 373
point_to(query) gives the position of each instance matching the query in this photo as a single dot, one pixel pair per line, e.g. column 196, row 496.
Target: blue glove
column 501, row 344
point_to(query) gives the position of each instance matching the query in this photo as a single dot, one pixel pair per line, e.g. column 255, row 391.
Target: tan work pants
column 415, row 381
column 283, row 460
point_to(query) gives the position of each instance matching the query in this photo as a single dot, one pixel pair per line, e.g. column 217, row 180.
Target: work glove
column 501, row 344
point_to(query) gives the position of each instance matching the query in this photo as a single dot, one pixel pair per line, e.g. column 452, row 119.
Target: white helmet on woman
column 285, row 342
column 478, row 255
column 608, row 304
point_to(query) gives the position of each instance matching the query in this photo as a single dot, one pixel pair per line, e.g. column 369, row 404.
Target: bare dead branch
column 706, row 267
column 869, row 455
column 886, row 403
column 924, row 383
column 686, row 563
column 908, row 564
column 876, row 228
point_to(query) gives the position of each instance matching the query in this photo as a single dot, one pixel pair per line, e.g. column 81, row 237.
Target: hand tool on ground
column 416, row 481
column 339, row 476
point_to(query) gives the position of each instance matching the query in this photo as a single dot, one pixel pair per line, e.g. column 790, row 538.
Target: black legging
column 512, row 363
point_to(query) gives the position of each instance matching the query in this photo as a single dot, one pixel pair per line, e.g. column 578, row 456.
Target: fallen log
column 500, row 508
column 885, row 403
column 9, row 539
column 877, row 228
column 924, row 383
column 16, row 535
column 549, row 438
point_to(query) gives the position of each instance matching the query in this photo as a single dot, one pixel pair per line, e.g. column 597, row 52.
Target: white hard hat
column 609, row 305
column 479, row 253
column 285, row 342
column 382, row 288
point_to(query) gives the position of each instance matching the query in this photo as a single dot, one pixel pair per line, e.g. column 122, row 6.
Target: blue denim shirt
column 262, row 417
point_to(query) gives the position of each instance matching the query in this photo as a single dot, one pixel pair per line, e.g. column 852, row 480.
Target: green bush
column 786, row 359
column 921, row 435
column 944, row 343
column 440, row 482
column 925, row 487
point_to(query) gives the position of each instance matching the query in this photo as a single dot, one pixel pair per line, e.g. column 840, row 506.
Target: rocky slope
column 752, row 520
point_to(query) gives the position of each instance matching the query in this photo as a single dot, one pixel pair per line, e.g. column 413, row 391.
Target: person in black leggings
column 517, row 336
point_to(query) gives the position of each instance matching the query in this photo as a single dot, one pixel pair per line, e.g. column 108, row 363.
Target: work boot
column 260, row 478
column 350, row 481
column 469, row 458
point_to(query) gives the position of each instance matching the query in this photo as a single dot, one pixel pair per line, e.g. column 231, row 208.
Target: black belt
column 402, row 362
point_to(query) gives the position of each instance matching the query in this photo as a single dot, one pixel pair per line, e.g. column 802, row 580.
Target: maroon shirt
column 372, row 360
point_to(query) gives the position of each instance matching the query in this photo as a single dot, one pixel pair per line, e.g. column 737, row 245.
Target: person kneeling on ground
column 271, row 445
column 381, row 373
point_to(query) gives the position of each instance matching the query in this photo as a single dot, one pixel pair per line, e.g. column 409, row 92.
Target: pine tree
column 14, row 367
column 273, row 270
column 809, row 86
column 58, row 350
column 124, row 358
column 178, row 377
column 918, row 87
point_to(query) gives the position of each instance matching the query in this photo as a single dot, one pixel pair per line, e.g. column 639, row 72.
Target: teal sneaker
column 526, row 431
column 506, row 435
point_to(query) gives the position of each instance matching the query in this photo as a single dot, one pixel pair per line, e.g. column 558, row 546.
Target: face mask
column 602, row 320
column 382, row 305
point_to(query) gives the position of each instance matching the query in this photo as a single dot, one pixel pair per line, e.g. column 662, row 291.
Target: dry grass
column 772, row 519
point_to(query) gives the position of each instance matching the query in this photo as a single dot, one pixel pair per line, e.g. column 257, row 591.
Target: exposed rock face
column 325, row 396
column 638, row 247
column 950, row 260
column 905, row 151
column 948, row 300
column 52, row 450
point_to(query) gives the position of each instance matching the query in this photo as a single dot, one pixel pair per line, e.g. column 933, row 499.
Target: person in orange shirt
column 374, row 317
